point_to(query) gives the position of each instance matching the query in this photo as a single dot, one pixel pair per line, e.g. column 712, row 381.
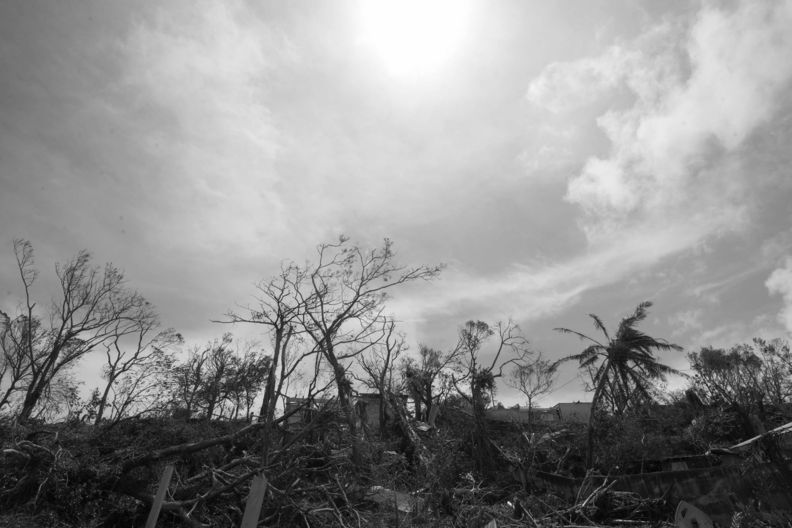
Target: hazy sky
column 561, row 157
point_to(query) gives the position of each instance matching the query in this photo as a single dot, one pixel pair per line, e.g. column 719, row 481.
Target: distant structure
column 572, row 412
column 577, row 412
column 367, row 407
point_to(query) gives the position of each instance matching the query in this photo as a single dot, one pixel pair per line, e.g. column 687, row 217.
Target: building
column 577, row 412
column 367, row 407
column 573, row 412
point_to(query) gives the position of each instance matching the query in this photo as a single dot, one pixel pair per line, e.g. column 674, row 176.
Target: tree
column 748, row 378
column 777, row 369
column 378, row 366
column 133, row 360
column 533, row 379
column 15, row 368
column 188, row 381
column 427, row 379
column 343, row 296
column 246, row 379
column 94, row 306
column 480, row 375
column 219, row 379
column 278, row 310
column 623, row 367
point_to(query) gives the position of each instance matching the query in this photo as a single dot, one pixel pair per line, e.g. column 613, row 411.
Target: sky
column 561, row 158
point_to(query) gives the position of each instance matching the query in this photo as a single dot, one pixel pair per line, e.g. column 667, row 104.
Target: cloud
column 700, row 88
column 199, row 74
column 685, row 321
column 529, row 292
column 564, row 87
column 780, row 283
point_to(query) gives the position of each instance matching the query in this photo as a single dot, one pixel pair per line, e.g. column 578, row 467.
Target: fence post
column 253, row 506
column 156, row 506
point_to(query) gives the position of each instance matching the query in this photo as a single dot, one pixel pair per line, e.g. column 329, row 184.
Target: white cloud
column 700, row 90
column 530, row 292
column 685, row 321
column 780, row 283
column 563, row 87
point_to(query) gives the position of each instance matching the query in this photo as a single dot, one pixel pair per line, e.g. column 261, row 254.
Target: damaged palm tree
column 624, row 367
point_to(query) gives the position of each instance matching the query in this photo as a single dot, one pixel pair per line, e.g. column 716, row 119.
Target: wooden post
column 253, row 506
column 156, row 506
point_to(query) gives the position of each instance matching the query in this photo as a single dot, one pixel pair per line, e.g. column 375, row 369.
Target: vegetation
column 293, row 410
column 623, row 368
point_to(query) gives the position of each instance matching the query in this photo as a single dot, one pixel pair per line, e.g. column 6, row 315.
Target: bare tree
column 220, row 379
column 94, row 306
column 277, row 309
column 143, row 353
column 424, row 377
column 15, row 367
column 246, row 379
column 188, row 381
column 480, row 374
column 343, row 296
column 378, row 368
column 533, row 379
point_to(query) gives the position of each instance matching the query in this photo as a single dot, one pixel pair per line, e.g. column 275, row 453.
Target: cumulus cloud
column 699, row 89
column 563, row 87
column 780, row 283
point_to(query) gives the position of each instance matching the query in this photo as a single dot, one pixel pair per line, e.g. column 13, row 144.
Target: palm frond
column 581, row 335
column 598, row 324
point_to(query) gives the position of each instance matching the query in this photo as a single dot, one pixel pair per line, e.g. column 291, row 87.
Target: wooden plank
column 256, row 496
column 156, row 506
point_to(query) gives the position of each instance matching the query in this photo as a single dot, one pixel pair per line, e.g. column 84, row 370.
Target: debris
column 423, row 427
column 403, row 502
column 688, row 516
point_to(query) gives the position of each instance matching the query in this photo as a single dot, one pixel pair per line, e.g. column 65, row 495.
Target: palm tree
column 623, row 367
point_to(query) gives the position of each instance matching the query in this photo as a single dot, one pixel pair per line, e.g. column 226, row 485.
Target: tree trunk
column 591, row 423
column 481, row 443
column 33, row 395
column 345, row 402
column 103, row 402
column 383, row 418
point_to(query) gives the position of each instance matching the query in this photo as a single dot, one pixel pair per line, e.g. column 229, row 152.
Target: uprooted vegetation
column 422, row 448
column 409, row 474
column 83, row 475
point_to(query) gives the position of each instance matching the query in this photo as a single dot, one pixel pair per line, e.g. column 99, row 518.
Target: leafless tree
column 343, row 296
column 15, row 369
column 133, row 360
column 94, row 305
column 426, row 378
column 377, row 367
column 278, row 309
column 188, row 380
column 533, row 379
column 480, row 374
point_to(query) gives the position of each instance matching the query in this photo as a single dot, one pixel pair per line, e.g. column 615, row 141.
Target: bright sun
column 413, row 36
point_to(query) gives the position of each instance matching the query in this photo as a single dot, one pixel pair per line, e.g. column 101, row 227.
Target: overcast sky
column 561, row 157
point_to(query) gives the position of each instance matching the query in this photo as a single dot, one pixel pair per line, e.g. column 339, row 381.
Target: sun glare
column 413, row 36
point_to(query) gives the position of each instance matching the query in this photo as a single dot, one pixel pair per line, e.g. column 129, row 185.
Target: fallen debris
column 688, row 516
column 401, row 501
